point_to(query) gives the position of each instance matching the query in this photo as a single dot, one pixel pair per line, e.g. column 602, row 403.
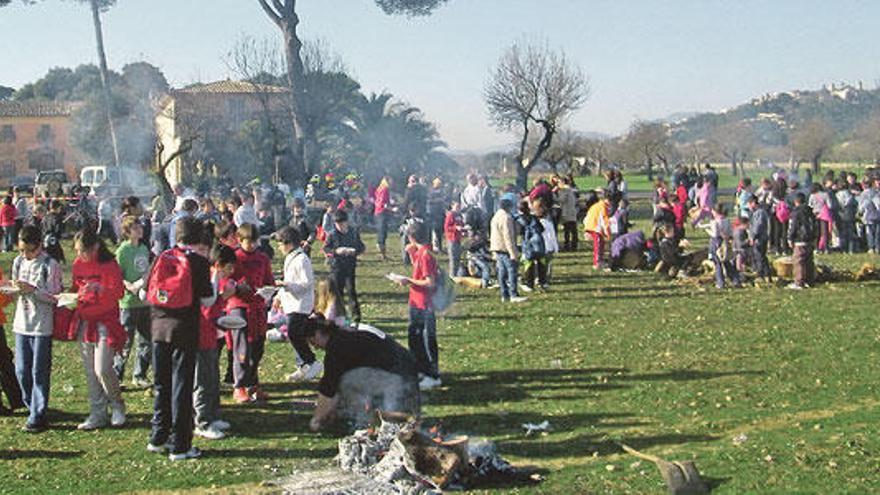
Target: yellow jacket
column 597, row 219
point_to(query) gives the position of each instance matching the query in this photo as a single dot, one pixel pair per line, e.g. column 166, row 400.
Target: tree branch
column 276, row 18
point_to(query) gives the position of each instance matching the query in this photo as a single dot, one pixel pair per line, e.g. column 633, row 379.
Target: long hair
column 89, row 239
column 326, row 298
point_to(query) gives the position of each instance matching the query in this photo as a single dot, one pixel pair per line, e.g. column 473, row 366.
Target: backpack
column 444, row 291
column 170, row 282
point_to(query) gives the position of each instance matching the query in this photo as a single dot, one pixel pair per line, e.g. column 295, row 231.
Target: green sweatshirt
column 135, row 262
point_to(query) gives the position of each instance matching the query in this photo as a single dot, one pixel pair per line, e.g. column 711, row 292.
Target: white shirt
column 551, row 244
column 470, row 197
column 298, row 293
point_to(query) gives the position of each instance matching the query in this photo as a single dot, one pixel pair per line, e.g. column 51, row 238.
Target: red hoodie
column 255, row 269
column 7, row 215
column 98, row 304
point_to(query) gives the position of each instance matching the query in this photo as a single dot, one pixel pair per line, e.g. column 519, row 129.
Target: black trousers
column 295, row 323
column 570, row 234
column 344, row 281
column 173, row 375
column 759, row 258
column 8, row 381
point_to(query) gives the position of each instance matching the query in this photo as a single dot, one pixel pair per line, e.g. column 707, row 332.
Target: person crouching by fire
column 363, row 369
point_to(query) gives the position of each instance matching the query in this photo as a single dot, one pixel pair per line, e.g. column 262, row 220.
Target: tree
column 98, row 6
column 533, row 87
column 283, row 14
column 735, row 142
column 812, row 141
column 6, row 93
column 867, row 138
column 647, row 141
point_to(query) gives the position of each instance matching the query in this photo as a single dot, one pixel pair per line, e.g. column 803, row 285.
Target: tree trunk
column 733, row 165
column 650, row 169
column 522, row 177
column 105, row 82
column 296, row 80
column 815, row 163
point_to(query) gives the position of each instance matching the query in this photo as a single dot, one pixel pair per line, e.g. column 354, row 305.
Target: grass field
column 673, row 370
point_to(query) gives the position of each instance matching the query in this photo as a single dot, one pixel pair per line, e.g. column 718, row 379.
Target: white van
column 118, row 181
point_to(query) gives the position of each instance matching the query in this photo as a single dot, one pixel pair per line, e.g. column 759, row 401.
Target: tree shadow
column 594, row 444
column 264, row 453
column 16, row 454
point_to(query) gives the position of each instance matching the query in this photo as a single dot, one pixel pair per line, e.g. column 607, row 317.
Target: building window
column 7, row 134
column 45, row 134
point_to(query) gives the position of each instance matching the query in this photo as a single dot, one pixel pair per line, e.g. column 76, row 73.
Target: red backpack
column 170, row 283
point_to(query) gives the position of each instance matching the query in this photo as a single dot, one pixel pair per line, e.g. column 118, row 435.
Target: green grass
column 673, row 370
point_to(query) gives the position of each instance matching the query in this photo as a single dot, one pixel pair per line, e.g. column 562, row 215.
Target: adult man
column 416, row 196
column 299, row 222
column 422, row 321
column 759, row 235
column 502, row 243
column 801, row 234
column 175, row 332
column 188, row 209
column 342, row 248
column 567, row 199
column 347, row 351
column 246, row 213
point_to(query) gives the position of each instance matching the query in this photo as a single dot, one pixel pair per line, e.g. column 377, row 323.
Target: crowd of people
column 190, row 289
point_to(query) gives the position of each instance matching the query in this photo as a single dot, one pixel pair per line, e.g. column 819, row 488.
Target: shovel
column 682, row 478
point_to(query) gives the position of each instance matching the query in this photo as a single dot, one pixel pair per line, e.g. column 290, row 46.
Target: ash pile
column 400, row 455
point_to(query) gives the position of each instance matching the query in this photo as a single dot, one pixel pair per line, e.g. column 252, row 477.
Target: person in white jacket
column 297, row 295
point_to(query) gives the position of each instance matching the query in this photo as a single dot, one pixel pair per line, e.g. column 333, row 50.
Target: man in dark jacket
column 801, row 236
column 342, row 248
column 759, row 236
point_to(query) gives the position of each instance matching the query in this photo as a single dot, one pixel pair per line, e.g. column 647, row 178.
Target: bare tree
column 812, row 141
column 648, row 141
column 283, row 14
column 735, row 142
column 867, row 138
column 533, row 85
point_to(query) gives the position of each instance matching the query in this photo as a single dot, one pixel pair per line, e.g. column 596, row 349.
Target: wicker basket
column 784, row 267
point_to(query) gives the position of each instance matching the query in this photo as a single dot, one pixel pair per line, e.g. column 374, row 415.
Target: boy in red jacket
column 254, row 271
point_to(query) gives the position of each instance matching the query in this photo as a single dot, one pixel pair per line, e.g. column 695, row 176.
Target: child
column 297, row 294
column 8, row 214
column 620, row 220
column 178, row 286
column 412, row 216
column 254, row 271
column 206, row 392
column 133, row 257
column 597, row 226
column 97, row 280
column 328, row 304
column 300, row 222
column 679, row 211
column 422, row 321
column 453, row 226
column 8, row 382
column 720, row 249
column 479, row 258
column 534, row 265
column 342, row 248
column 741, row 243
column 551, row 242
column 38, row 278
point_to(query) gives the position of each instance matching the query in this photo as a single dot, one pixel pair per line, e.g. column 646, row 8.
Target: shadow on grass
column 587, row 445
column 15, row 454
column 293, row 453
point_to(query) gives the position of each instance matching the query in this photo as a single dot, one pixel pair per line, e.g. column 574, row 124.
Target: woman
column 7, row 223
column 382, row 213
column 97, row 280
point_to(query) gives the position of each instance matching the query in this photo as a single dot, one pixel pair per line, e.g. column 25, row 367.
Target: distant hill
column 773, row 115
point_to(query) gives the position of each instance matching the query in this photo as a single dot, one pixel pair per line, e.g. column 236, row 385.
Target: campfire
column 399, row 452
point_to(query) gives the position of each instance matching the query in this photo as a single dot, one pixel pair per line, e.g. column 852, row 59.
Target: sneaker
column 257, row 394
column 241, row 395
column 275, row 335
column 428, row 383
column 141, row 383
column 307, row 372
column 117, row 415
column 33, row 428
column 209, row 432
column 518, row 299
column 525, row 288
column 192, row 453
column 160, row 449
column 794, row 286
column 493, row 285
column 221, row 425
column 92, row 423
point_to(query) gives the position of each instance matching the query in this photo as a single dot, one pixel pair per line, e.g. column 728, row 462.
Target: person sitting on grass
column 346, row 351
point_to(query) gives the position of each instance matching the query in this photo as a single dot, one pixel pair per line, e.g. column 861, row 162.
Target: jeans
column 506, row 275
column 248, row 355
column 804, row 269
column 136, row 321
column 722, row 267
column 33, row 367
column 846, row 235
column 295, row 324
column 824, row 236
column 382, row 221
column 8, row 379
column 482, row 267
column 759, row 258
column 454, row 249
column 102, row 381
column 206, row 396
column 344, row 280
column 173, row 370
column 9, row 241
column 423, row 340
column 872, row 232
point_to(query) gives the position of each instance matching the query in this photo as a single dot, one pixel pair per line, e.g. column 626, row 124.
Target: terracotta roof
column 37, row 108
column 228, row 86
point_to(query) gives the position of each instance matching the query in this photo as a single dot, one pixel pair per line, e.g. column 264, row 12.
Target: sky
column 646, row 59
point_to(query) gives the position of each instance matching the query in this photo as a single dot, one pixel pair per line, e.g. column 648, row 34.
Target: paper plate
column 9, row 289
column 231, row 322
column 68, row 299
column 267, row 292
column 394, row 277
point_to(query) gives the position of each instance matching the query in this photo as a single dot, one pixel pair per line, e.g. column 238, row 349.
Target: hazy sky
column 645, row 58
